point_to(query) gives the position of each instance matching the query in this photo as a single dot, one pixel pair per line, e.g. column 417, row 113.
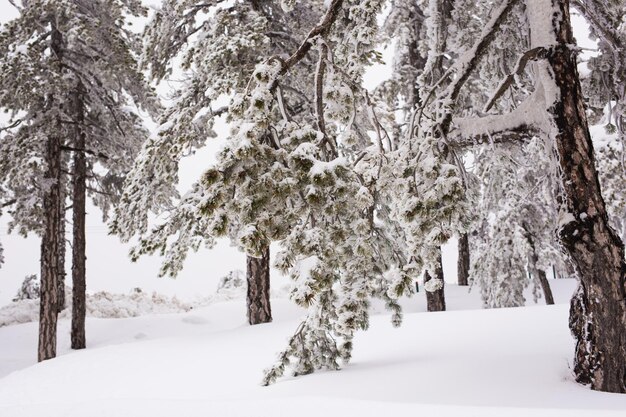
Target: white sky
column 108, row 265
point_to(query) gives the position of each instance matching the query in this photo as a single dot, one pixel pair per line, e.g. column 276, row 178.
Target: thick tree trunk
column 258, row 297
column 78, row 217
column 50, row 244
column 598, row 314
column 463, row 264
column 49, row 299
column 435, row 300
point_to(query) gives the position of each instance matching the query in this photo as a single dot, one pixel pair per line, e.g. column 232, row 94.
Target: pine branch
column 87, row 151
column 320, row 30
column 475, row 55
column 521, row 133
column 12, row 125
column 531, row 55
column 8, row 203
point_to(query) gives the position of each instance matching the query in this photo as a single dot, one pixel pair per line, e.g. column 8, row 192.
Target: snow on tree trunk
column 598, row 314
column 78, row 216
column 435, row 298
column 463, row 264
column 258, row 296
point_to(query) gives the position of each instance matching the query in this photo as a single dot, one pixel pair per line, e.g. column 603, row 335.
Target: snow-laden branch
column 530, row 55
column 530, row 115
column 322, row 28
column 468, row 62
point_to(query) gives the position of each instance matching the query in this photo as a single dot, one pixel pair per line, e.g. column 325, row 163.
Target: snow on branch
column 468, row 62
column 322, row 28
column 529, row 115
column 530, row 55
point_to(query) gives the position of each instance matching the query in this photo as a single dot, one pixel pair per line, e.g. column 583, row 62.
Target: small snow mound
column 194, row 320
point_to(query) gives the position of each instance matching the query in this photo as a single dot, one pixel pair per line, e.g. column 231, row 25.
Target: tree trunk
column 61, row 283
column 435, row 300
column 50, row 244
column 598, row 313
column 463, row 264
column 49, row 299
column 545, row 286
column 78, row 217
column 258, row 297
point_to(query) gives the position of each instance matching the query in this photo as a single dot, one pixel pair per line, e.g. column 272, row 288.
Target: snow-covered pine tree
column 219, row 45
column 427, row 182
column 515, row 243
column 72, row 85
column 598, row 311
column 300, row 168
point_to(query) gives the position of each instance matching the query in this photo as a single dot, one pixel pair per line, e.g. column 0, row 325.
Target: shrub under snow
column 101, row 305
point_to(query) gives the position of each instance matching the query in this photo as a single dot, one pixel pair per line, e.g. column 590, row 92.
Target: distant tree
column 71, row 85
column 515, row 243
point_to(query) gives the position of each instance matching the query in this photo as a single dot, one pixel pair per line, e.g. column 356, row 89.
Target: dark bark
column 598, row 313
column 61, row 283
column 463, row 264
column 536, row 272
column 435, row 300
column 258, row 297
column 50, row 244
column 78, row 217
column 545, row 286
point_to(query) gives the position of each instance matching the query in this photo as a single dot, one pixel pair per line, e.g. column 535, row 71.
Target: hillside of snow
column 208, row 362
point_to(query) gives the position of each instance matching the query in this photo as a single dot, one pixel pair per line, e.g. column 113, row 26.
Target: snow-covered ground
column 208, row 362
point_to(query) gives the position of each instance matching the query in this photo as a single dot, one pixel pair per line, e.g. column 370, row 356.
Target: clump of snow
column 433, row 285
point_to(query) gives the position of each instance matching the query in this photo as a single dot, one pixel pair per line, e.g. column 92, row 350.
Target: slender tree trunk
column 463, row 264
column 258, row 297
column 598, row 313
column 545, row 286
column 78, row 217
column 435, row 300
column 537, row 273
column 61, row 283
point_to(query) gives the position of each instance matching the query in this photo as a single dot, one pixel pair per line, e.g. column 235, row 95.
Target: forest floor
column 208, row 362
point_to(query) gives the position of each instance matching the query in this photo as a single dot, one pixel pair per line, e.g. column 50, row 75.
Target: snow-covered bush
column 29, row 289
column 101, row 305
column 234, row 280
